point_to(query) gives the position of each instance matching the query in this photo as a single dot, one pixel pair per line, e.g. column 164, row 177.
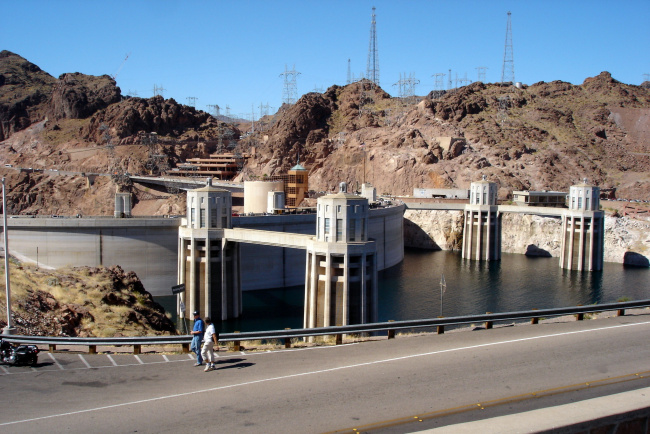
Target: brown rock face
column 164, row 117
column 78, row 96
column 24, row 92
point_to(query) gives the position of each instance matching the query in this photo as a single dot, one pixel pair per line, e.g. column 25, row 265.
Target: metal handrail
column 286, row 334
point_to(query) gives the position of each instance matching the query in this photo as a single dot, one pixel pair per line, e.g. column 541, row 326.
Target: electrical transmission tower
column 372, row 70
column 481, row 73
column 464, row 81
column 290, row 92
column 646, row 77
column 407, row 85
column 349, row 73
column 191, row 101
column 508, row 70
column 215, row 109
column 449, row 82
column 318, row 89
column 158, row 90
column 440, row 81
column 227, row 115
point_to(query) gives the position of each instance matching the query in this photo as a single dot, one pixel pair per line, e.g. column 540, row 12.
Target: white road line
column 320, row 371
column 190, row 356
column 85, row 362
column 138, row 359
column 56, row 362
column 5, row 370
column 111, row 359
column 165, row 357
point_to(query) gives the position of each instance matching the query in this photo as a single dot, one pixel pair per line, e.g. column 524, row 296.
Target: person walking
column 209, row 341
column 197, row 338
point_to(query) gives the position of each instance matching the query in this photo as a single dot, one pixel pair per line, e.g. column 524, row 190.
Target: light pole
column 9, row 330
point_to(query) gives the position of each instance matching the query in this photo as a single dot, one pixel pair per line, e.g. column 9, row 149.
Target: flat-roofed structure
column 296, row 185
column 556, row 199
column 221, row 166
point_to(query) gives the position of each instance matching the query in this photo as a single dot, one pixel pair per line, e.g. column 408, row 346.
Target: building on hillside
column 221, row 166
column 296, row 185
column 556, row 199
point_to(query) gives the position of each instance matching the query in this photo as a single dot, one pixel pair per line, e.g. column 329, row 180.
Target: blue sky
column 233, row 52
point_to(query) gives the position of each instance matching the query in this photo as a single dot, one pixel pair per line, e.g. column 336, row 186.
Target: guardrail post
column 534, row 320
column 391, row 333
column 339, row 339
column 620, row 312
column 137, row 349
column 52, row 348
column 287, row 341
column 92, row 349
column 580, row 316
column 440, row 329
column 236, row 345
column 185, row 348
column 488, row 324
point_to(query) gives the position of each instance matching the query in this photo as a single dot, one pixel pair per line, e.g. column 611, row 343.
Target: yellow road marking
column 496, row 402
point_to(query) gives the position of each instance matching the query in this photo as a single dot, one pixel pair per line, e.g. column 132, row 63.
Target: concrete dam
column 149, row 246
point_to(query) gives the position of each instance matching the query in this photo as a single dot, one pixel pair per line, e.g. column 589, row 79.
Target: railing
column 286, row 335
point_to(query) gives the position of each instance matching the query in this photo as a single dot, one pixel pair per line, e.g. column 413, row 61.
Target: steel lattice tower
column 508, row 70
column 290, row 92
column 372, row 70
column 481, row 73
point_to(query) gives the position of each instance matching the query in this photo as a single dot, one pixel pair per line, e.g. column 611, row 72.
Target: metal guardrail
column 338, row 331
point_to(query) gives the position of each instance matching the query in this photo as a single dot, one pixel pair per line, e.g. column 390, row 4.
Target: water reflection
column 411, row 290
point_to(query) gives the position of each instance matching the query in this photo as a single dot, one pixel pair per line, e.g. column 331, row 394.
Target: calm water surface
column 411, row 290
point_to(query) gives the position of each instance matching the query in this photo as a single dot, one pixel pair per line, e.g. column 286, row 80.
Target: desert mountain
column 540, row 136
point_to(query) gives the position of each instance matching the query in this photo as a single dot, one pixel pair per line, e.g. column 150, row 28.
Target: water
column 411, row 290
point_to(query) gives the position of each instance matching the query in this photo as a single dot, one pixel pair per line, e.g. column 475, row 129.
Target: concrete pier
column 341, row 268
column 482, row 228
column 583, row 230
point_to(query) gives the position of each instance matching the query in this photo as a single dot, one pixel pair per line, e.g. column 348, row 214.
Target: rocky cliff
column 627, row 240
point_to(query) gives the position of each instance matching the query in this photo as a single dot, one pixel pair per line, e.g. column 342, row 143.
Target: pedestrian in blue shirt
column 197, row 332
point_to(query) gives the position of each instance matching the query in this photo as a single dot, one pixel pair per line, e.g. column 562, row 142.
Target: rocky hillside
column 82, row 301
column 540, row 136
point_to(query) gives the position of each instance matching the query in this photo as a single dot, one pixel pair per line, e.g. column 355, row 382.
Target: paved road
column 387, row 386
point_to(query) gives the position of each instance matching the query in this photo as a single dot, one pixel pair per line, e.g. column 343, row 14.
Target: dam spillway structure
column 482, row 227
column 583, row 230
column 341, row 268
column 208, row 264
column 122, row 205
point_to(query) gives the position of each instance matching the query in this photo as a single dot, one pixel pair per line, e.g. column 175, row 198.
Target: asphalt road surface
column 401, row 385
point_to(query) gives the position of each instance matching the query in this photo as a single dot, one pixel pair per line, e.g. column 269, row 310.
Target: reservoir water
column 411, row 290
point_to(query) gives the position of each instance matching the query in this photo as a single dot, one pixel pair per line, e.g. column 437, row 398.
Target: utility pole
column 372, row 69
column 9, row 329
column 349, row 73
column 508, row 69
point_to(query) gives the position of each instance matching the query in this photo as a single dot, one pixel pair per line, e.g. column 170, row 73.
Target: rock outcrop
column 78, row 96
column 84, row 301
column 25, row 91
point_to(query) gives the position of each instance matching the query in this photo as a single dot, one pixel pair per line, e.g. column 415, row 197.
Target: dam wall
column 149, row 246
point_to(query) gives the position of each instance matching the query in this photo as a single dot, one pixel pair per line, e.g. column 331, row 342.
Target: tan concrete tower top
column 483, row 192
column 584, row 197
column 342, row 217
column 209, row 207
